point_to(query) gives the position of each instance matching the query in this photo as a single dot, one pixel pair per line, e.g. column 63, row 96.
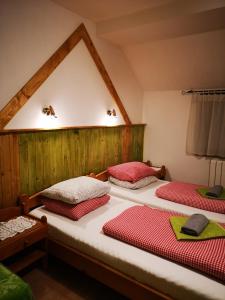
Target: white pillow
column 133, row 185
column 77, row 189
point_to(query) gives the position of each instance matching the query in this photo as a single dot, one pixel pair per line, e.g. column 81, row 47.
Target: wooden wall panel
column 33, row 160
column 135, row 145
column 50, row 157
column 9, row 170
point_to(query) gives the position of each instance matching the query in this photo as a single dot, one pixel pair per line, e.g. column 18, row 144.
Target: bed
column 147, row 196
column 127, row 269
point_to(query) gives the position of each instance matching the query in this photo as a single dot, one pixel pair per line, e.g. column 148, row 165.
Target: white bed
column 147, row 196
column 86, row 235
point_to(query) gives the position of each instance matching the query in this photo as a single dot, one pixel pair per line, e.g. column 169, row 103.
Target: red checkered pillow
column 150, row 229
column 75, row 211
column 131, row 171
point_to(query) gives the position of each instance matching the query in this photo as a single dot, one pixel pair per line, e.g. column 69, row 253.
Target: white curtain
column 206, row 127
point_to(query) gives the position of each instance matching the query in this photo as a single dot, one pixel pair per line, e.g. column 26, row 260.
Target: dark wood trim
column 126, row 140
column 27, row 203
column 9, row 170
column 9, row 213
column 26, row 130
column 103, row 176
column 23, row 95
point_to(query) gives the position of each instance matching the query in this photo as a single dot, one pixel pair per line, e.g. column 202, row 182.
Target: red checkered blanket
column 185, row 193
column 150, row 229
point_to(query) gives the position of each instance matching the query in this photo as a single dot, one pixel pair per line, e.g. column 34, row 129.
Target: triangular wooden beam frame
column 15, row 104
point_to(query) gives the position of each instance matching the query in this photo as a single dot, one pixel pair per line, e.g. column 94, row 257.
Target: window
column 206, row 127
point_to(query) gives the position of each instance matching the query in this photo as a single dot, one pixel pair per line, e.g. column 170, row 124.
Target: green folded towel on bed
column 203, row 191
column 12, row 287
column 212, row 230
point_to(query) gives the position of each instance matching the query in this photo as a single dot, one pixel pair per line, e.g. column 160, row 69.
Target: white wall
column 30, row 32
column 166, row 114
column 194, row 61
column 77, row 94
column 191, row 61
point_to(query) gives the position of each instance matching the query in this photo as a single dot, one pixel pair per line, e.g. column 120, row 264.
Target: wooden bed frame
column 103, row 176
column 100, row 271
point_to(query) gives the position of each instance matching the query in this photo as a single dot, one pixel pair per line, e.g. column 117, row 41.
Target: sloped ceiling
column 99, row 10
column 165, row 41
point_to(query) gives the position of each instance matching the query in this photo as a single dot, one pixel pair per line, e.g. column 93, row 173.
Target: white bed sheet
column 147, row 196
column 168, row 277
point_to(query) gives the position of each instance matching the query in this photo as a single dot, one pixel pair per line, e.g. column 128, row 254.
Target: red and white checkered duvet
column 185, row 193
column 150, row 229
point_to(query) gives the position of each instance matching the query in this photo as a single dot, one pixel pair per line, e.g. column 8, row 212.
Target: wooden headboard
column 28, row 203
column 32, row 160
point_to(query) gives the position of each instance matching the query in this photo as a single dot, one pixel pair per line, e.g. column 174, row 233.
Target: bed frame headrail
column 27, row 203
column 104, row 175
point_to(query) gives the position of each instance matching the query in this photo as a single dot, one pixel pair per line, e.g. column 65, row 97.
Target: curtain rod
column 204, row 91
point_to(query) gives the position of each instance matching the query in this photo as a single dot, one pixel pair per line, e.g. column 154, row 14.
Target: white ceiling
column 136, row 25
column 99, row 10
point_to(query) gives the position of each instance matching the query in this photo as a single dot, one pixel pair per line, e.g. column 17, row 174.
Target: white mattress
column 168, row 277
column 147, row 196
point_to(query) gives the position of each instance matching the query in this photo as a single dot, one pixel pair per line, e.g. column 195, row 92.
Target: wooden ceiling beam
column 16, row 103
column 105, row 76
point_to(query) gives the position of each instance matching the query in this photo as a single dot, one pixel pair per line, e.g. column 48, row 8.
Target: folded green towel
column 203, row 191
column 12, row 287
column 212, row 230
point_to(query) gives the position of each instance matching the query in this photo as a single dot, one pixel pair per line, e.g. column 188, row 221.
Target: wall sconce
column 49, row 111
column 111, row 112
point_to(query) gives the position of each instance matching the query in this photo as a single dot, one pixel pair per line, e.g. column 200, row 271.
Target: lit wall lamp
column 111, row 112
column 49, row 111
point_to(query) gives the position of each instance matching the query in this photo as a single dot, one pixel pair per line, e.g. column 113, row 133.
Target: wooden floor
column 61, row 281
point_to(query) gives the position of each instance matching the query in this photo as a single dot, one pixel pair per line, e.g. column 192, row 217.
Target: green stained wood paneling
column 9, row 174
column 136, row 144
column 47, row 157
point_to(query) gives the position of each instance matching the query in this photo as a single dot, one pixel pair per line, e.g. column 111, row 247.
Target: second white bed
column 147, row 196
column 86, row 235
